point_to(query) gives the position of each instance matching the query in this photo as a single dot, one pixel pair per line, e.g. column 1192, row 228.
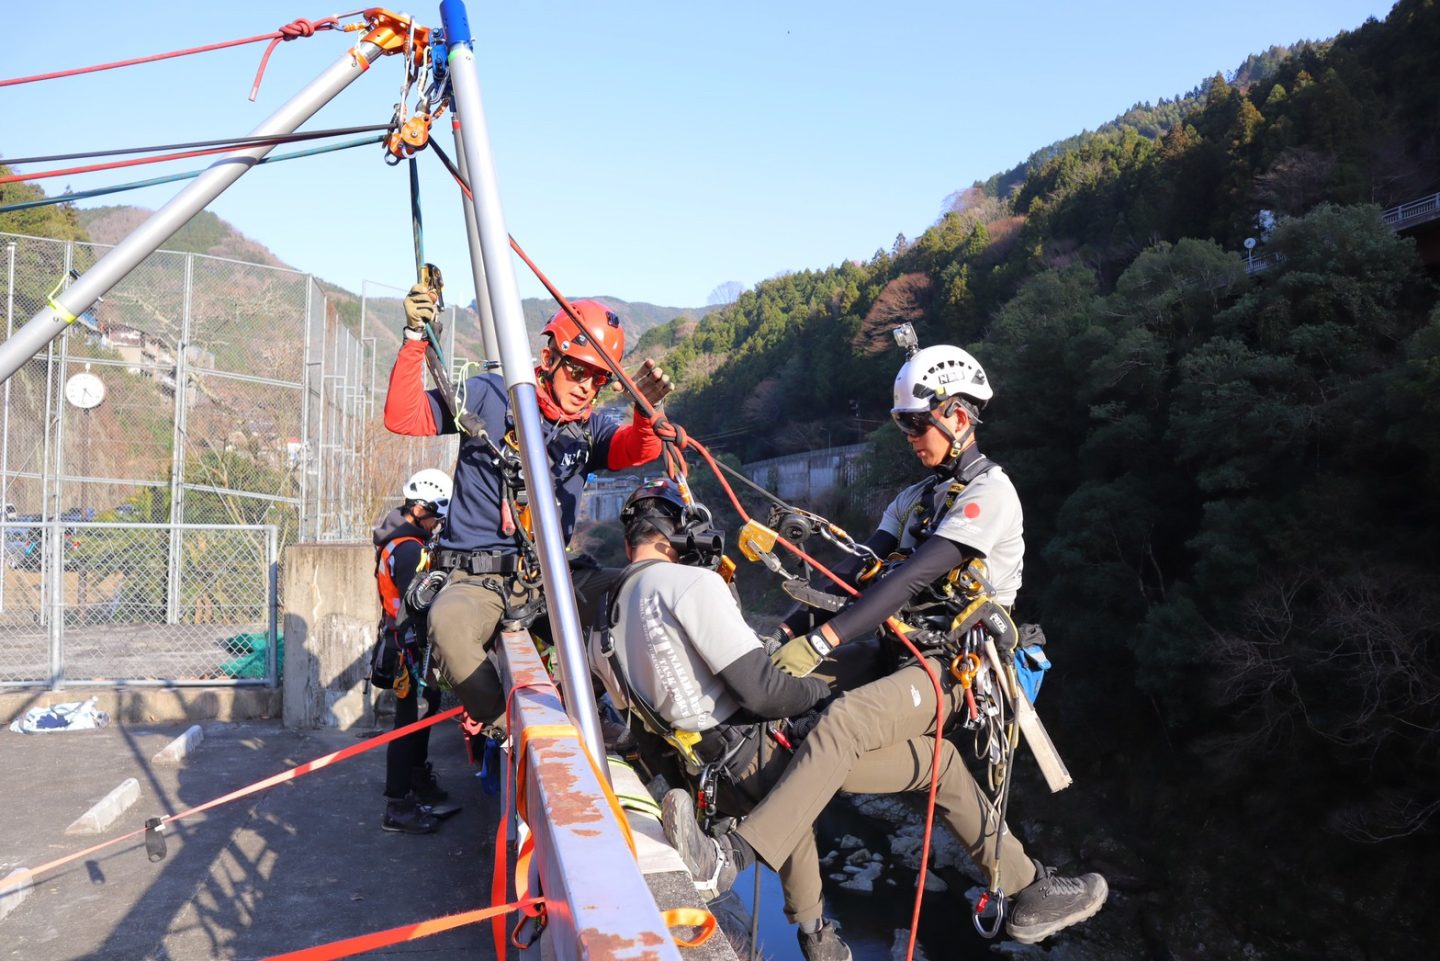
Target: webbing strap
column 398, row 935
column 515, row 787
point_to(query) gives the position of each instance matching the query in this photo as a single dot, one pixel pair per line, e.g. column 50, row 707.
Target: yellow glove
column 802, row 655
column 653, row 382
column 419, row 307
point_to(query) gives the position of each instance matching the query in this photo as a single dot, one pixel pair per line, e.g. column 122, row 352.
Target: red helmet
column 599, row 324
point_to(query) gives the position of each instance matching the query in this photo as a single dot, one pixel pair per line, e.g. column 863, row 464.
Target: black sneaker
column 1051, row 903
column 823, row 945
column 426, row 786
column 408, row 817
column 711, row 863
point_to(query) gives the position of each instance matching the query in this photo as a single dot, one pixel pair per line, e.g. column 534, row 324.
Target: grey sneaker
column 710, row 863
column 823, row 945
column 1051, row 903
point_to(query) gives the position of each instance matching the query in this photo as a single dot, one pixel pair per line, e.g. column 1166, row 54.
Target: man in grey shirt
column 880, row 737
column 679, row 645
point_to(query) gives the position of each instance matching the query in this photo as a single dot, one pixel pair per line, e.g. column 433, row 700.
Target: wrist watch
column 818, row 642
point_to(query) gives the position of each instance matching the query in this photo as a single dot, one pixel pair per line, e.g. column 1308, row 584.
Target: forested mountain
column 1230, row 481
column 208, row 234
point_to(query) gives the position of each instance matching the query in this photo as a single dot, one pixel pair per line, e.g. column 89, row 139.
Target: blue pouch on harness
column 1030, row 667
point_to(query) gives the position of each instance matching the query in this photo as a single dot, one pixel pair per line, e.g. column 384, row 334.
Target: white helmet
column 937, row 373
column 430, row 486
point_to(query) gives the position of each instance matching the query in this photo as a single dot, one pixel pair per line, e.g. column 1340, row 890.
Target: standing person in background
column 400, row 539
column 484, row 547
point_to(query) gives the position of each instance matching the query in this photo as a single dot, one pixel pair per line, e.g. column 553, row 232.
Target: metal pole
column 305, row 438
column 55, row 317
column 5, row 424
column 514, row 349
column 477, row 262
column 177, row 452
column 272, row 567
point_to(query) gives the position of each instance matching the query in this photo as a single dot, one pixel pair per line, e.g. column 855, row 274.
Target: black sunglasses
column 912, row 423
column 580, row 372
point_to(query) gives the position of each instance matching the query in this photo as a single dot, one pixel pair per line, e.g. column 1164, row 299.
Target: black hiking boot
column 1051, row 903
column 712, row 862
column 425, row 786
column 406, row 816
column 823, row 945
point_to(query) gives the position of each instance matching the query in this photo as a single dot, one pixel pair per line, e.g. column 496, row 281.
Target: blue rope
column 136, row 185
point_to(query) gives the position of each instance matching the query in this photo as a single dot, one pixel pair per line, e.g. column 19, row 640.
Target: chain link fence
column 201, row 391
column 87, row 602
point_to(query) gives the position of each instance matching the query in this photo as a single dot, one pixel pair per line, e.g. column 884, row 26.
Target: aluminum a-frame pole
column 514, row 349
column 477, row 262
column 387, row 35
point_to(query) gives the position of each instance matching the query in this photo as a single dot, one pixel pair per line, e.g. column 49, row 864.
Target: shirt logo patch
column 972, row 510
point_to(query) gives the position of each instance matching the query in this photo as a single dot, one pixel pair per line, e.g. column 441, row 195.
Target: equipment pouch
column 385, row 659
column 1030, row 667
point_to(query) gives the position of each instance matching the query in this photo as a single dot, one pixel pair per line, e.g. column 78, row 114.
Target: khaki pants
column 465, row 618
column 875, row 739
column 463, row 621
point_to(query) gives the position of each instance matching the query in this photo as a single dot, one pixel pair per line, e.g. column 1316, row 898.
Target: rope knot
column 670, row 433
column 305, row 28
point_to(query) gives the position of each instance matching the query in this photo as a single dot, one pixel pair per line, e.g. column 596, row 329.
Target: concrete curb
column 105, row 811
column 179, row 749
column 11, row 900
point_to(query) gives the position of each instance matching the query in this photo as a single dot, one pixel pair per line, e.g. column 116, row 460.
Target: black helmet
column 660, row 505
column 660, row 497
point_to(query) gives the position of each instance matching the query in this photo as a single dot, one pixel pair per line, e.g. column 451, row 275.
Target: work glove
column 419, row 306
column 654, row 384
column 773, row 641
column 802, row 655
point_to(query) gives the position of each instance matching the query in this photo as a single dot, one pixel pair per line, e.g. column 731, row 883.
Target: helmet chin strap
column 958, row 442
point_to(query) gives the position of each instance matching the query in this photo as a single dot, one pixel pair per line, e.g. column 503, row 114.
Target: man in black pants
column 400, row 541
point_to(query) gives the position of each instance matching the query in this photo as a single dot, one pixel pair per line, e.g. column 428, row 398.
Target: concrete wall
column 331, row 613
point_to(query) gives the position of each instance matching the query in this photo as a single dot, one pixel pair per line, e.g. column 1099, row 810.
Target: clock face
column 85, row 390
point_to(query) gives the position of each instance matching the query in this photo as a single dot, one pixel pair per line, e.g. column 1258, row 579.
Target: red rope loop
column 290, row 31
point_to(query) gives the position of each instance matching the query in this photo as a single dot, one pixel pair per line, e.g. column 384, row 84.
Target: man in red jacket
column 483, row 546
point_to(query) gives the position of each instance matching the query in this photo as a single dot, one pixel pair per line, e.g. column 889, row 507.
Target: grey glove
column 419, row 306
column 774, row 640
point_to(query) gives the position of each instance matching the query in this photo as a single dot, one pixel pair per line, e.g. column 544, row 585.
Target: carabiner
column 993, row 931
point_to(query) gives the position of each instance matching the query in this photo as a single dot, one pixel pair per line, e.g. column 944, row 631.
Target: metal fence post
column 5, row 424
column 272, row 658
column 177, row 452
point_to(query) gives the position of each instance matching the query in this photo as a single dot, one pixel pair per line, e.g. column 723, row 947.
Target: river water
column 871, row 923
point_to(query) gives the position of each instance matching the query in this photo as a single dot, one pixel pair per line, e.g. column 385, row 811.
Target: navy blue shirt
column 575, row 449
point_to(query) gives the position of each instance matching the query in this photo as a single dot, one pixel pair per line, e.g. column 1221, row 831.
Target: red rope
column 11, row 883
column 298, row 28
column 133, row 162
column 676, row 440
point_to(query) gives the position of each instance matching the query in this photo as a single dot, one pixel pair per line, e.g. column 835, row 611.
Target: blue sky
column 645, row 150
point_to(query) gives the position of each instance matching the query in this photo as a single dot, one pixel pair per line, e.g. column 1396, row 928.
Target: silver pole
column 52, row 320
column 177, row 453
column 477, row 262
column 272, row 571
column 5, row 425
column 514, row 349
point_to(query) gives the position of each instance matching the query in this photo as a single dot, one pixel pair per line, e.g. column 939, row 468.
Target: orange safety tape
column 690, row 918
column 20, row 877
column 405, row 932
column 514, row 784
